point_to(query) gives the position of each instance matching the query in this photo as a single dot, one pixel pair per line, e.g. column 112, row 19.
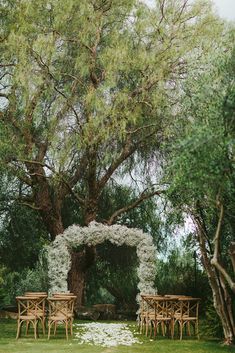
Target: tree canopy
column 202, row 174
column 85, row 86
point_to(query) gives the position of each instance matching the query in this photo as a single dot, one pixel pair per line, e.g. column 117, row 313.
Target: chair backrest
column 194, row 307
column 41, row 300
column 27, row 305
column 176, row 296
column 61, row 306
column 164, row 307
column 61, row 294
column 188, row 307
column 38, row 294
column 143, row 306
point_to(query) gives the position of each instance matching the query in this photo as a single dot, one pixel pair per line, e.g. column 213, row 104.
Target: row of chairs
column 168, row 312
column 35, row 307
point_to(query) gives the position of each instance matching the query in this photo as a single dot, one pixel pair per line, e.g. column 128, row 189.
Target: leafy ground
column 8, row 344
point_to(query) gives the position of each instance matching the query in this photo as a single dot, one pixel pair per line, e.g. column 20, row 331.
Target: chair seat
column 160, row 318
column 37, row 312
column 189, row 318
column 57, row 318
column 27, row 317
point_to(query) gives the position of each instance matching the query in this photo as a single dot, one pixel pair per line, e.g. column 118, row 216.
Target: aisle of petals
column 103, row 334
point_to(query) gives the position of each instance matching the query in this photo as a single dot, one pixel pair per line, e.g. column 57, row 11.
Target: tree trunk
column 76, row 277
column 50, row 204
column 81, row 261
column 53, row 221
column 221, row 296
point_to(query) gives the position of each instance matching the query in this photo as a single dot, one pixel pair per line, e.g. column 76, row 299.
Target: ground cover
column 8, row 344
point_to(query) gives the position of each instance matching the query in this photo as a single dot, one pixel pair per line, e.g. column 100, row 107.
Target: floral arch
column 59, row 258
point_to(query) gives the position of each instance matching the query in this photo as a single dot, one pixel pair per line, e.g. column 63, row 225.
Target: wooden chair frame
column 27, row 312
column 61, row 310
column 159, row 314
column 143, row 314
column 41, row 308
column 186, row 314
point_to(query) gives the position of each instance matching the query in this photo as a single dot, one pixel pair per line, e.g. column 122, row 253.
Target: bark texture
column 81, row 261
column 221, row 296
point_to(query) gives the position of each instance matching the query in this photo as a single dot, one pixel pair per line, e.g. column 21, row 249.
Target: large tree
column 203, row 173
column 86, row 90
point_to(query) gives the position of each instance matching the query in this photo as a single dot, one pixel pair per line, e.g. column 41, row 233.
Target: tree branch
column 6, row 65
column 33, row 103
column 232, row 254
column 218, row 233
column 215, row 260
column 128, row 149
column 30, row 206
column 65, row 182
column 126, row 152
column 68, row 100
column 224, row 273
column 135, row 204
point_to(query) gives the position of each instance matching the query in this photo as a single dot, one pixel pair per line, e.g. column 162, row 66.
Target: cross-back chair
column 186, row 314
column 27, row 312
column 159, row 314
column 61, row 311
column 142, row 318
column 41, row 308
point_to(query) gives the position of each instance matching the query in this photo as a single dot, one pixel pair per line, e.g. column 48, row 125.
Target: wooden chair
column 142, row 318
column 186, row 314
column 162, row 316
column 67, row 295
column 27, row 312
column 159, row 314
column 61, row 310
column 41, row 308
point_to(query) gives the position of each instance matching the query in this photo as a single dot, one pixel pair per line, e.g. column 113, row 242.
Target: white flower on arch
column 59, row 258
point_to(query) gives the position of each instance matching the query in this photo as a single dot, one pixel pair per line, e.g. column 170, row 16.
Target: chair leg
column 163, row 329
column 44, row 326
column 146, row 328
column 55, row 327
column 66, row 329
column 35, row 329
column 197, row 329
column 171, row 333
column 42, row 322
column 181, row 330
column 151, row 330
column 71, row 327
column 141, row 325
column 49, row 330
column 155, row 329
column 19, row 323
column 189, row 329
column 27, row 327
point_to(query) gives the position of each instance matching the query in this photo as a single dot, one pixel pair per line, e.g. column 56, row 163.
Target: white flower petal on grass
column 106, row 335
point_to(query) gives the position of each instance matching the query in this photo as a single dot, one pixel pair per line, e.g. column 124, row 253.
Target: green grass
column 8, row 344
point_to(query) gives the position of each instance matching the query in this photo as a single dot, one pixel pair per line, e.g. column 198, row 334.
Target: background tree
column 85, row 88
column 202, row 175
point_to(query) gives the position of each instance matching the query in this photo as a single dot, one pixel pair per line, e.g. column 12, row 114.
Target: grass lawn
column 8, row 344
